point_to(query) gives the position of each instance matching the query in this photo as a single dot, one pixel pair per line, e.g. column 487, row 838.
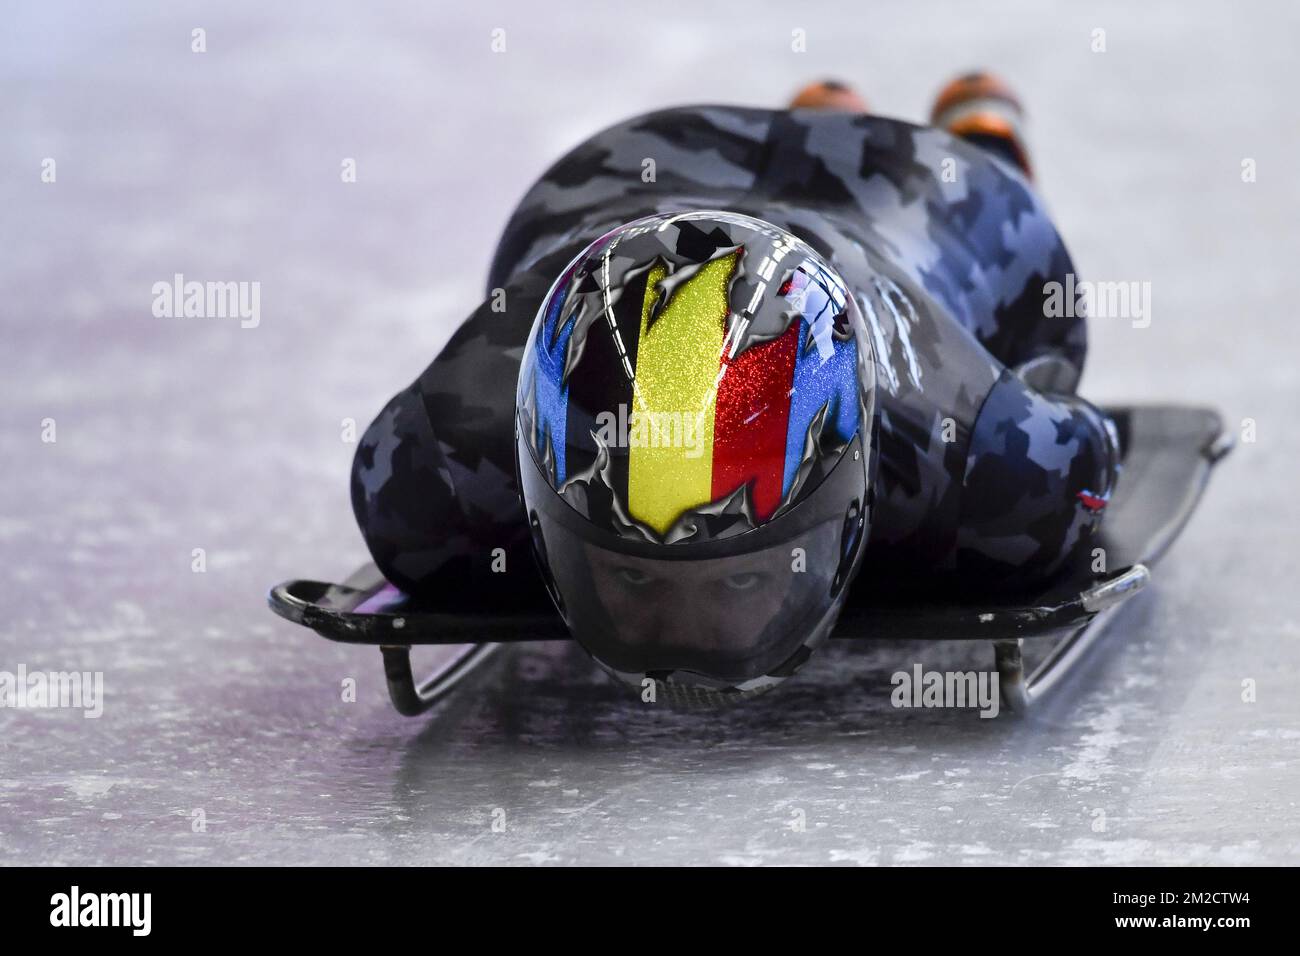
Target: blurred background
column 183, row 434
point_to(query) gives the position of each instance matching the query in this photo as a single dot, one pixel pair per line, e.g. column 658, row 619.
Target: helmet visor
column 730, row 610
column 728, row 619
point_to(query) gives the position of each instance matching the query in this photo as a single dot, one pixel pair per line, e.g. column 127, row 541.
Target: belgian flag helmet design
column 696, row 444
column 692, row 377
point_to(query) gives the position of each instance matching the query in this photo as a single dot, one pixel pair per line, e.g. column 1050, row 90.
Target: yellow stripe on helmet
column 670, row 468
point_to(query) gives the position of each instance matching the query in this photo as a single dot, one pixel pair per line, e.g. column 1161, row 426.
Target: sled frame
column 1162, row 482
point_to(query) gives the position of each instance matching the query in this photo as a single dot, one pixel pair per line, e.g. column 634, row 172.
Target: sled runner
column 1168, row 453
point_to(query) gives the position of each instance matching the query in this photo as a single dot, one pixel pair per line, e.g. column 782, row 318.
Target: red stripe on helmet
column 751, row 419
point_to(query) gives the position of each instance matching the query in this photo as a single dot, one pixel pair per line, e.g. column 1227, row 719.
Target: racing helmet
column 695, row 440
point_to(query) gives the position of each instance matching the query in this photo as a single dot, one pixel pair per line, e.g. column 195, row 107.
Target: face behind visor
column 692, row 409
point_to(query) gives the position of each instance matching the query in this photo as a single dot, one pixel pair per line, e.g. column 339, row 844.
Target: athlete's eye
column 634, row 576
column 746, row 581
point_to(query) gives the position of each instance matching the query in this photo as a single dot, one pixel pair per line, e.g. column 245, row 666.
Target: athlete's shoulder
column 721, row 145
column 1039, row 472
column 632, row 168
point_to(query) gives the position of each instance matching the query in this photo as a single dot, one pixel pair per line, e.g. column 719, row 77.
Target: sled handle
column 411, row 699
column 1022, row 694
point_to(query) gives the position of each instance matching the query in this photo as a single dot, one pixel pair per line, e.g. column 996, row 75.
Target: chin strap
column 698, row 697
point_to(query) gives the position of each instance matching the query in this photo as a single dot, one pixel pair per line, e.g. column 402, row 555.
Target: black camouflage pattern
column 946, row 250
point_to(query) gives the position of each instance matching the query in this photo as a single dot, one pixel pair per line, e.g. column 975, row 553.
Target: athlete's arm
column 433, row 479
column 1039, row 472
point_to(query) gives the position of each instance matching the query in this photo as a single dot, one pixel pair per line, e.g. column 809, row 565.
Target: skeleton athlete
column 709, row 345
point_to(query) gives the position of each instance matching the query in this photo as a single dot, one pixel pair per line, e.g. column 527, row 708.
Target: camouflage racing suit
column 991, row 472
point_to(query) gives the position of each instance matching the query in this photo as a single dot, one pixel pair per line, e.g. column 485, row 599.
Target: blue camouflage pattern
column 946, row 249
